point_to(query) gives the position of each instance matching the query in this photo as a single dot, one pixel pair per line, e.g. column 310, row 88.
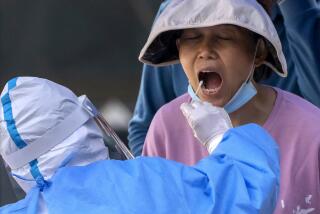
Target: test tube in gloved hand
column 208, row 122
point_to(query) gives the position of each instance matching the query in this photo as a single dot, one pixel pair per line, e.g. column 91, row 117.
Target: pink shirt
column 295, row 125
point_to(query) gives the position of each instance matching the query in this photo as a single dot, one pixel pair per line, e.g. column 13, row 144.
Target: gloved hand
column 208, row 122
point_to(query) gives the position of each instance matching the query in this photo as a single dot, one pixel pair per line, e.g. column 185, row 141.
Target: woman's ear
column 178, row 44
column 262, row 52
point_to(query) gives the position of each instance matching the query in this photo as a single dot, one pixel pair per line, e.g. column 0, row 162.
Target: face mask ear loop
column 250, row 76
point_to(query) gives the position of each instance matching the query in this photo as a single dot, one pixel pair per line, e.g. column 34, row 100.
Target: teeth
column 206, row 71
column 211, row 91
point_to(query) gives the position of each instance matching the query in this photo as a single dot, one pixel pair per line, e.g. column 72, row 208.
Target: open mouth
column 212, row 81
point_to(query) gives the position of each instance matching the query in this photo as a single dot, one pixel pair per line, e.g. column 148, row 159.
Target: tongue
column 213, row 81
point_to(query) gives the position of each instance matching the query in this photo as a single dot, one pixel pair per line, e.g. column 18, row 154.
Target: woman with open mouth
column 225, row 48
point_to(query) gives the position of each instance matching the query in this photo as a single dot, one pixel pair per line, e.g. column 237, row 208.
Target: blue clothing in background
column 298, row 26
column 241, row 176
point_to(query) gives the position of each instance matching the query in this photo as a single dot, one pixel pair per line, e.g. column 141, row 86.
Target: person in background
column 226, row 48
column 297, row 23
column 56, row 153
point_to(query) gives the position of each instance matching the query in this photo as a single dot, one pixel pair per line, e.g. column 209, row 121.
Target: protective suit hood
column 32, row 111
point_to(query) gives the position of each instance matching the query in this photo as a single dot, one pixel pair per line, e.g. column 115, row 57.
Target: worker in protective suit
column 53, row 143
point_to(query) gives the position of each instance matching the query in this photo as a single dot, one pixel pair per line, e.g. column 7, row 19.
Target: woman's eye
column 193, row 37
column 223, row 38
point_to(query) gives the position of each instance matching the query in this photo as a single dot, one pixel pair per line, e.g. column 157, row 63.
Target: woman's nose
column 207, row 51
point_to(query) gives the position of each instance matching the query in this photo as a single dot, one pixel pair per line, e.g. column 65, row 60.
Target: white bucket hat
column 43, row 126
column 161, row 50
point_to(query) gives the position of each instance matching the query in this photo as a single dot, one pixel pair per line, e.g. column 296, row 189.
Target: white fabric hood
column 160, row 48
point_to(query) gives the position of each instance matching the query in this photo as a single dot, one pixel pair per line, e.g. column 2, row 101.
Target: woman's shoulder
column 290, row 108
column 169, row 116
column 296, row 103
column 172, row 108
column 294, row 120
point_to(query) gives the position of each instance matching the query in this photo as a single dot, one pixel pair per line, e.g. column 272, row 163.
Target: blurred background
column 90, row 46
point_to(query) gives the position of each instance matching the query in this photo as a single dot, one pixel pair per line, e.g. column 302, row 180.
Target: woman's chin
column 214, row 100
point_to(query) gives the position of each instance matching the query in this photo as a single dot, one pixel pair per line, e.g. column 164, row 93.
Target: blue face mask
column 244, row 94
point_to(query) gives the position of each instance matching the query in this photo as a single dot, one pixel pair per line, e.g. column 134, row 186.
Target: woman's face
column 220, row 56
